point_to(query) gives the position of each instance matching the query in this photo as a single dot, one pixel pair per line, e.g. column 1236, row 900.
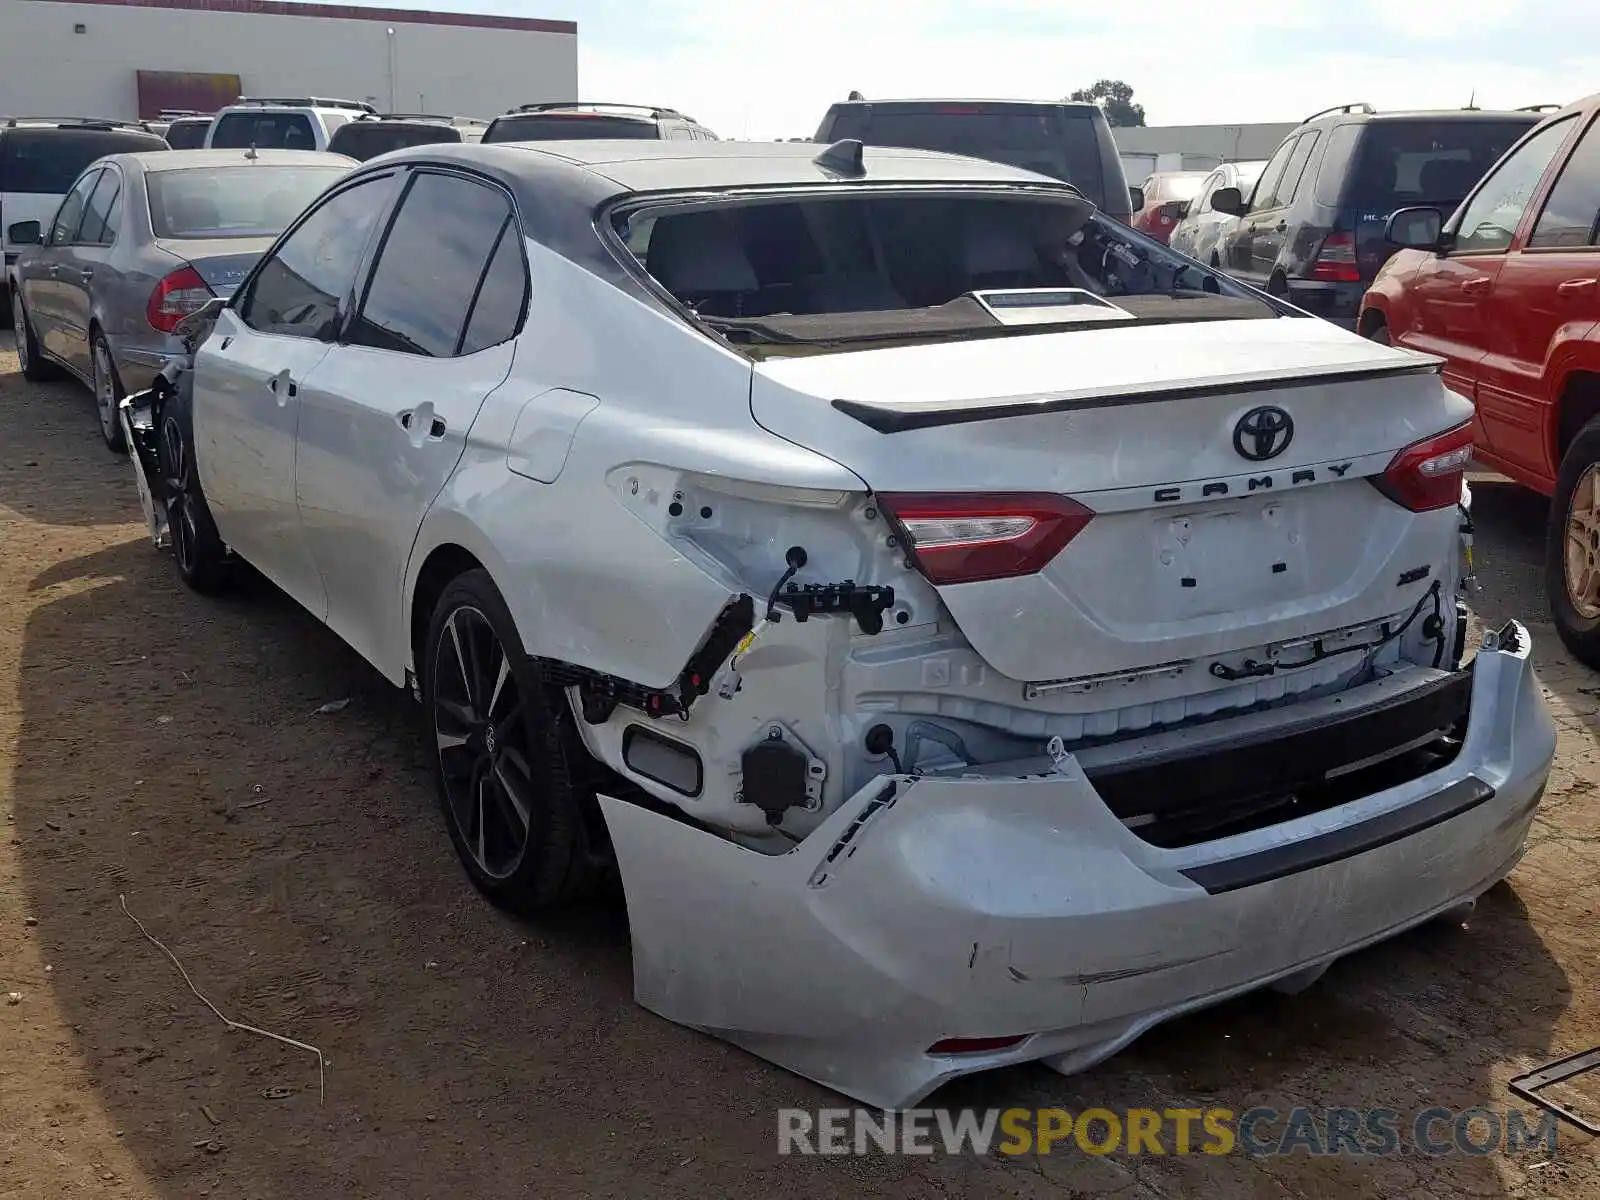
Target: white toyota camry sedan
column 973, row 632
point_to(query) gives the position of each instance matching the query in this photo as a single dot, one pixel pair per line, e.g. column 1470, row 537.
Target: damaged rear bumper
column 137, row 413
column 1022, row 907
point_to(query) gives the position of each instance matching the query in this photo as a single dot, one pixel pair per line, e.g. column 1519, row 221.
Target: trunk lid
column 221, row 262
column 1194, row 549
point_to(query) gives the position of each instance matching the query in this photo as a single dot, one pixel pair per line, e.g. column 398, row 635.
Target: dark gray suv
column 1065, row 141
column 1311, row 231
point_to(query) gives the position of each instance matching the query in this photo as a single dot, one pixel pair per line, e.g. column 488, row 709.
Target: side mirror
column 1415, row 228
column 1175, row 210
column 1229, row 200
column 25, row 233
column 1136, row 196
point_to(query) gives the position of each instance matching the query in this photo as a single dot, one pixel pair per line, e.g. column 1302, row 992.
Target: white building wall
column 46, row 69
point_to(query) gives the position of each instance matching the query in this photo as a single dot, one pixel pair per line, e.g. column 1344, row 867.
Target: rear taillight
column 175, row 297
column 965, row 537
column 1427, row 474
column 1336, row 260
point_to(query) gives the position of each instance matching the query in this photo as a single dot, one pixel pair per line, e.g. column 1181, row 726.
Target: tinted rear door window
column 432, row 266
column 1404, row 163
column 46, row 161
column 99, row 225
column 1573, row 209
column 568, row 127
column 265, row 131
column 1289, row 184
column 1053, row 141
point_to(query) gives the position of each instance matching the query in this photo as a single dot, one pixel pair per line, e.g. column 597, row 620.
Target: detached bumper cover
column 934, row 908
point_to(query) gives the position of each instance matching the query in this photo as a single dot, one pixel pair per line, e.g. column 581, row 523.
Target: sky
column 765, row 70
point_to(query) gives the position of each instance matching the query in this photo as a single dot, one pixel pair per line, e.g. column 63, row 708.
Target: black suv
column 1312, row 229
column 372, row 134
column 568, row 121
column 40, row 157
column 1063, row 140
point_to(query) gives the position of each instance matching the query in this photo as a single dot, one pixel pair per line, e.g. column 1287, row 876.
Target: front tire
column 1572, row 548
column 508, row 764
column 107, row 394
column 35, row 368
column 197, row 548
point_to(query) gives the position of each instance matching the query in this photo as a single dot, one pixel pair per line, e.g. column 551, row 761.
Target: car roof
column 1423, row 114
column 178, row 160
column 621, row 165
column 918, row 100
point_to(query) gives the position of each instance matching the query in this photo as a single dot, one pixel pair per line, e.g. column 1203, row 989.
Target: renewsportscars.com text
column 1258, row 1132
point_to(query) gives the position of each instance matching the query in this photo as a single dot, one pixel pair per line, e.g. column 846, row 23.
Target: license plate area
column 1217, row 559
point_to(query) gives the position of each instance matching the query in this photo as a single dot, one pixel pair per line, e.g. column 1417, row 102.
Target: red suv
column 1167, row 196
column 1507, row 292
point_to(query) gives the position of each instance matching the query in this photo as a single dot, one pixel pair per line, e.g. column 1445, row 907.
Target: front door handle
column 86, row 274
column 53, row 270
column 1283, row 226
column 415, row 420
column 1475, row 287
column 1576, row 287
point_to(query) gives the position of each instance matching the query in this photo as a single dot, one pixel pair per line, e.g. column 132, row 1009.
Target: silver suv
column 567, row 120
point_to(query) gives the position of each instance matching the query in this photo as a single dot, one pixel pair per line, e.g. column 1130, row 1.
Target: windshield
column 246, row 200
column 885, row 265
column 1037, row 137
column 46, row 161
column 568, row 127
column 1404, row 163
column 362, row 140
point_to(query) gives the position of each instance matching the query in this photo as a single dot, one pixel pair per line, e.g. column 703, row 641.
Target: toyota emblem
column 1263, row 433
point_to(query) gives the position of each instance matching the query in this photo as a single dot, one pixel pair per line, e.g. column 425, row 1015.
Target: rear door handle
column 1283, row 226
column 1474, row 287
column 85, row 275
column 1575, row 287
column 283, row 387
column 53, row 270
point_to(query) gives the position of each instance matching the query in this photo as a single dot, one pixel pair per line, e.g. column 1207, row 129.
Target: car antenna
column 855, row 97
column 843, row 158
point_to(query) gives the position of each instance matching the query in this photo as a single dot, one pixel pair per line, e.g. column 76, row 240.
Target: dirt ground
column 167, row 749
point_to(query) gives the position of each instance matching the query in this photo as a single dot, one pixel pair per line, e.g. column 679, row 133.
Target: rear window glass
column 254, row 200
column 907, row 265
column 1403, row 163
column 265, row 131
column 46, row 161
column 362, row 140
column 187, row 135
column 1052, row 141
column 568, row 127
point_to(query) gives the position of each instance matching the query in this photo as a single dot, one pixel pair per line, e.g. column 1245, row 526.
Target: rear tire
column 511, row 771
column 197, row 548
column 35, row 367
column 1572, row 548
column 108, row 394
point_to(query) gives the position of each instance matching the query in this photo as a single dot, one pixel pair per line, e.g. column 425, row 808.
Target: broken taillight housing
column 1426, row 475
column 965, row 537
column 175, row 297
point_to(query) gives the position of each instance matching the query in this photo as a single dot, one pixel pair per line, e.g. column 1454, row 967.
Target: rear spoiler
column 901, row 416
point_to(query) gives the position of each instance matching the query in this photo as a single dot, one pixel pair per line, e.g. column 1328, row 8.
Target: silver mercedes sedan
column 139, row 242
